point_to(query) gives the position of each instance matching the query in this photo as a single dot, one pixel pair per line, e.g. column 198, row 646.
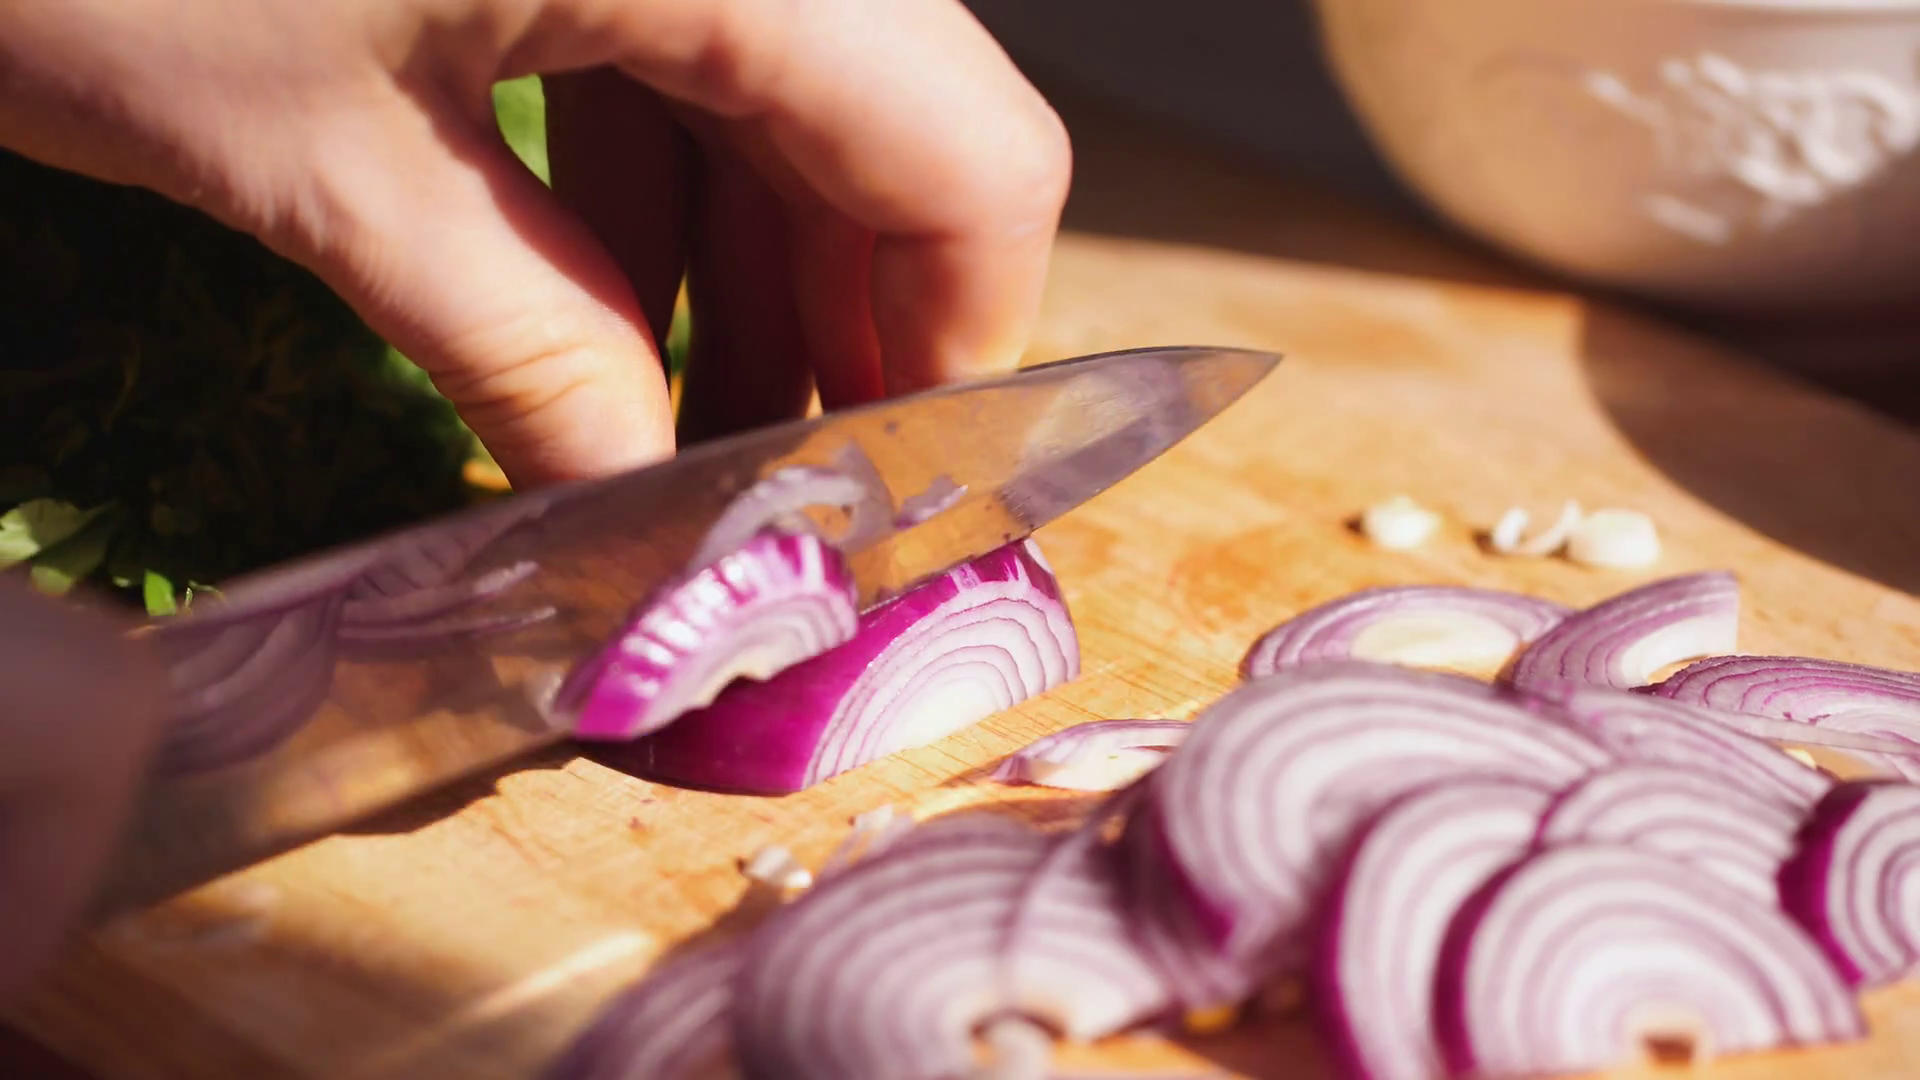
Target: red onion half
column 1099, row 755
column 887, row 969
column 670, row 1026
column 1440, row 626
column 1854, row 882
column 1584, row 957
column 1686, row 815
column 773, row 602
column 1242, row 827
column 947, row 654
column 1624, row 640
column 1416, row 863
column 1823, row 693
column 1641, row 728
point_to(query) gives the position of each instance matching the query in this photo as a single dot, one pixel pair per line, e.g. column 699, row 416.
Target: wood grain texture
column 472, row 934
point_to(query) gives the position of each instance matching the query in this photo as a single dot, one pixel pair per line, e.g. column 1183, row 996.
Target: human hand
column 79, row 708
column 862, row 193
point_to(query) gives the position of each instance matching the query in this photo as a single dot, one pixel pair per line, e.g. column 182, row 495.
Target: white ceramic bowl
column 1751, row 155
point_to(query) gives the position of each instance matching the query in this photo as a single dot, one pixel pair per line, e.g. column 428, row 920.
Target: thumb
column 454, row 252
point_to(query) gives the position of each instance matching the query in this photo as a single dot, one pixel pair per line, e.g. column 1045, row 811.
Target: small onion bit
column 1583, row 957
column 939, row 496
column 776, row 601
column 1379, row 946
column 886, row 969
column 1614, row 539
column 1650, row 730
column 1099, row 755
column 984, row 637
column 672, row 1025
column 1440, row 626
column 1682, row 814
column 1508, row 535
column 1624, row 640
column 1398, row 523
column 1822, row 693
column 1854, row 881
column 1245, row 821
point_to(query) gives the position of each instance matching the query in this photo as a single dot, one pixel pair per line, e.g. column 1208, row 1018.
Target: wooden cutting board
column 469, row 937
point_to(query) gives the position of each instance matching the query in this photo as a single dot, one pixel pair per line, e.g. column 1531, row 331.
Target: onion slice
column 778, row 500
column 1580, row 957
column 1650, row 730
column 1442, row 626
column 774, row 602
column 885, row 969
column 939, row 495
column 1854, row 881
column 1823, row 693
column 1624, row 640
column 1417, row 862
column 672, row 1025
column 1242, row 828
column 1099, row 755
column 947, row 654
column 1683, row 814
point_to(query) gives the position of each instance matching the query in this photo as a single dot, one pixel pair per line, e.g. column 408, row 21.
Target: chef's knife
column 338, row 685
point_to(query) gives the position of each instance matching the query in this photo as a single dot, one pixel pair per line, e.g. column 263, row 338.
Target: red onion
column 886, row 969
column 985, row 636
column 1683, row 814
column 775, row 601
column 1421, row 625
column 1580, row 957
column 1243, row 825
column 238, row 688
column 778, row 500
column 670, row 1026
column 1823, row 693
column 1854, row 881
column 1623, row 641
column 1640, row 728
column 1416, row 863
column 1099, row 755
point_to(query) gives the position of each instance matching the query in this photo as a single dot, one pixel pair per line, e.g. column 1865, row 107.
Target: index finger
column 903, row 115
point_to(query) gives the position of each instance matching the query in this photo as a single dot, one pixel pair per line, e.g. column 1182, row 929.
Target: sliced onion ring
column 670, row 1026
column 884, row 970
column 1641, row 728
column 778, row 500
column 1242, row 828
column 1823, row 693
column 1379, row 947
column 1579, row 957
column 1442, row 626
column 984, row 637
column 776, row 601
column 1683, row 814
column 1623, row 641
column 1099, row 755
column 1854, row 881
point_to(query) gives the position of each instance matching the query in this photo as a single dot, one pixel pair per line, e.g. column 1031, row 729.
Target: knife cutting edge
column 338, row 685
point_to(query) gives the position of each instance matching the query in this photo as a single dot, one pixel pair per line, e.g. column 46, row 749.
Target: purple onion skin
column 1807, row 882
column 813, row 721
column 679, row 642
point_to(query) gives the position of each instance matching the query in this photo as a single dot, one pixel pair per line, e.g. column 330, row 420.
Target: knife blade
column 339, row 685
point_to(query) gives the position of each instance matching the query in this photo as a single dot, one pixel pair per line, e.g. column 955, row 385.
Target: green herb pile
column 179, row 405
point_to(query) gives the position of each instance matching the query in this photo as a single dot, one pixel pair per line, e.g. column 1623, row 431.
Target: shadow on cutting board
column 1829, row 477
column 1819, row 474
